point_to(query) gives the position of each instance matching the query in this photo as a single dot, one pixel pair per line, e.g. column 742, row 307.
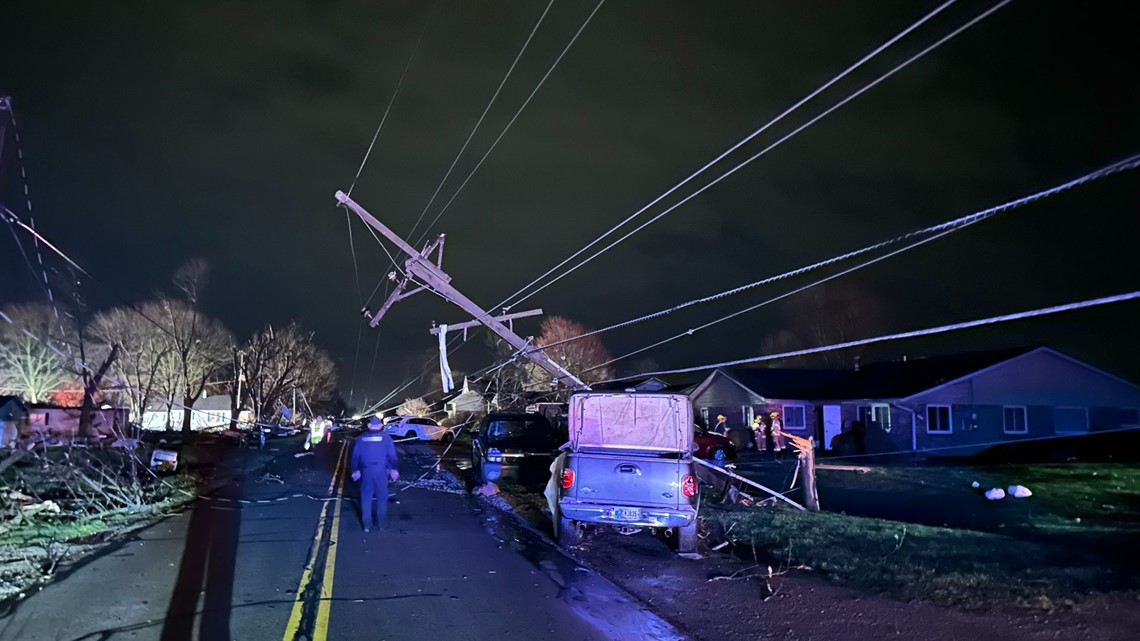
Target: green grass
column 1073, row 538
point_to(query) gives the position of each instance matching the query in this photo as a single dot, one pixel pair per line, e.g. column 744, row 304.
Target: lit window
column 795, row 417
column 938, row 419
column 1015, row 422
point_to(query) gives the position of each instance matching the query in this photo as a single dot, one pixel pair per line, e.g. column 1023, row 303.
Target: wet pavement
column 263, row 559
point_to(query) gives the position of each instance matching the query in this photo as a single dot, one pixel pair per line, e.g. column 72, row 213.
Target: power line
column 482, row 116
column 512, row 120
column 993, row 320
column 392, row 100
column 956, row 224
column 739, row 166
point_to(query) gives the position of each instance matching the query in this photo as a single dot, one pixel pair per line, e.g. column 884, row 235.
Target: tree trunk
column 187, row 414
column 87, row 410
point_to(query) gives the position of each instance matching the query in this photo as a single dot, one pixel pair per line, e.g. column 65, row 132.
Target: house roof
column 885, row 380
column 658, row 384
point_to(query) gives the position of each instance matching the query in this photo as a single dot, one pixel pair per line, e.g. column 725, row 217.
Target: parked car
column 513, row 445
column 629, row 466
column 712, row 446
column 418, row 427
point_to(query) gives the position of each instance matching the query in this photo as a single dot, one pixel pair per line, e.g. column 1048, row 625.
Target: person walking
column 374, row 462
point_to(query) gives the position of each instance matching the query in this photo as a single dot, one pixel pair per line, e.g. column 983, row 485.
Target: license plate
column 627, row 514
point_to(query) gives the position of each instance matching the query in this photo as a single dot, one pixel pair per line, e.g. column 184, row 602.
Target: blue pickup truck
column 629, row 466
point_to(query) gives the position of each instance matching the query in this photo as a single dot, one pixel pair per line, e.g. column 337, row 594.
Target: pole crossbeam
column 430, row 273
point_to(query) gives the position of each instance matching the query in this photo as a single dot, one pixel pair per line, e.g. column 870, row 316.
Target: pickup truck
column 629, row 466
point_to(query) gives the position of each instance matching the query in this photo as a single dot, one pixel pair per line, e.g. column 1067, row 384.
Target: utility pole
column 430, row 275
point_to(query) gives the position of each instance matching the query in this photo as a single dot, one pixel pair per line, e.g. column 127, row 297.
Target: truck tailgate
column 628, row 480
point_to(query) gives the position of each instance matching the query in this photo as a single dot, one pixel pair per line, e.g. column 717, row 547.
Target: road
column 262, row 559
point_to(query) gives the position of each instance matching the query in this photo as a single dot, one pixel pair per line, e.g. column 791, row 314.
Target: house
column 951, row 405
column 467, row 401
column 651, row 384
column 13, row 418
column 209, row 412
column 46, row 419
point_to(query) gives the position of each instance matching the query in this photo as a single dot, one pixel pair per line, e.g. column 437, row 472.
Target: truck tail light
column 688, row 486
column 494, row 455
column 567, row 478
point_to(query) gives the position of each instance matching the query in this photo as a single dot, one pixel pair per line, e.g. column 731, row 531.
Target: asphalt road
column 266, row 560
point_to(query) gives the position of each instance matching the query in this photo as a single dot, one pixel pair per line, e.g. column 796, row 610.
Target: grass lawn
column 924, row 532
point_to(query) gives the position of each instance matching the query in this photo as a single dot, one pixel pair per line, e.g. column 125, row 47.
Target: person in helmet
column 778, row 440
column 374, row 462
column 721, row 426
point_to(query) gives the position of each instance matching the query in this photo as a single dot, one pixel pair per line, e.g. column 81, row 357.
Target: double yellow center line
column 321, row 621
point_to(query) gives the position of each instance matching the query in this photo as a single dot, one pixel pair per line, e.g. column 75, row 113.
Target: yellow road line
column 320, row 630
column 306, row 575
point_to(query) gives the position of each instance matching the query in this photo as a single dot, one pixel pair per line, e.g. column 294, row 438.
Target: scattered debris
column 1019, row 492
column 995, row 494
column 486, row 489
column 164, row 460
column 300, row 454
column 695, row 556
column 975, row 485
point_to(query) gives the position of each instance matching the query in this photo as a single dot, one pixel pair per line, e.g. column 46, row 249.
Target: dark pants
column 374, row 485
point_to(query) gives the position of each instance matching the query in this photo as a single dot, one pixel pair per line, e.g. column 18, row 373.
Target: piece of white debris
column 691, row 555
column 975, row 485
column 1019, row 491
column 995, row 494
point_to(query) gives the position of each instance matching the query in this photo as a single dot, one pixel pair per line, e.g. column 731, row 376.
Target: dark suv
column 514, row 445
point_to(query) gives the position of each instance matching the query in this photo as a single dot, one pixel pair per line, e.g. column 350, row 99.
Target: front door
column 832, row 424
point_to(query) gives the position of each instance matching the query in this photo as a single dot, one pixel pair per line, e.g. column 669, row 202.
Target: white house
column 209, row 412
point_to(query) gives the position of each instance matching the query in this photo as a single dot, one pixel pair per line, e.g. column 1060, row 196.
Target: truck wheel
column 687, row 538
column 568, row 533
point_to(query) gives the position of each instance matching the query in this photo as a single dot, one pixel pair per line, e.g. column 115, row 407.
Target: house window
column 938, row 419
column 795, row 417
column 746, row 415
column 879, row 413
column 705, row 416
column 1015, row 422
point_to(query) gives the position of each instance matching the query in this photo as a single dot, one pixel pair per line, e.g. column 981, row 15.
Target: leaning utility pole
column 430, row 275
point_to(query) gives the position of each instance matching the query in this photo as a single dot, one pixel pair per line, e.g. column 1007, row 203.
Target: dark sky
column 157, row 131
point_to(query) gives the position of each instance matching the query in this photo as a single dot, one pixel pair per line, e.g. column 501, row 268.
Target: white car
column 418, row 427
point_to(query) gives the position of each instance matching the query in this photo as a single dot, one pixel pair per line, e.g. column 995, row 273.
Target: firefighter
column 760, row 433
column 777, row 436
column 374, row 463
column 721, row 426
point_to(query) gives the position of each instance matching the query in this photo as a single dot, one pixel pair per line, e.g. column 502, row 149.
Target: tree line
column 160, row 353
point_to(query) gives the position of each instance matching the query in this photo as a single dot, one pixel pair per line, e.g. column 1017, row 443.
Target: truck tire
column 568, row 533
column 687, row 538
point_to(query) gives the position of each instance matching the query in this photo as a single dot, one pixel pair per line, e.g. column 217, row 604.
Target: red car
column 715, row 447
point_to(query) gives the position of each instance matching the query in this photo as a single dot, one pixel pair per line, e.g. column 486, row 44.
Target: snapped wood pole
column 750, row 482
column 807, row 469
column 431, row 274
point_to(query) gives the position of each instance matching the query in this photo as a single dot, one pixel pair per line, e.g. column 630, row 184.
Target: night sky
column 158, row 131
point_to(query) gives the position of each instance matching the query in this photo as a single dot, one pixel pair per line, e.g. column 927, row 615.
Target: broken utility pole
column 430, row 274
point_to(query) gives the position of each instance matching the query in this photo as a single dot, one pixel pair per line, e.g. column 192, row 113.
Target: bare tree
column 825, row 315
column 414, row 407
column 145, row 366
column 32, row 352
column 583, row 357
column 199, row 346
column 277, row 362
column 192, row 278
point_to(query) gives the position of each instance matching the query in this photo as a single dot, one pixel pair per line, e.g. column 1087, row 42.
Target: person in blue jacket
column 373, row 463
